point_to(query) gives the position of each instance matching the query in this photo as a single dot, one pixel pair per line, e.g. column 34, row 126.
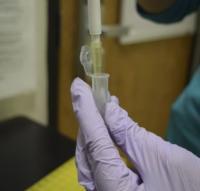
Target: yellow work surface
column 64, row 178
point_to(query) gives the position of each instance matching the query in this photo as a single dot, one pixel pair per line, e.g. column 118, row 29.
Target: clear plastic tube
column 99, row 80
column 100, row 90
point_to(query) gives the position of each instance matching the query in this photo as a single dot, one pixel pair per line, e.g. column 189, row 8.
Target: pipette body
column 92, row 56
column 94, row 17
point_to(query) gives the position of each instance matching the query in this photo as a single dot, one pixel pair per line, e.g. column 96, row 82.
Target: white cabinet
column 141, row 30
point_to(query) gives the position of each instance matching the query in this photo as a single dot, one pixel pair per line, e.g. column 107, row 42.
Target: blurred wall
column 147, row 77
column 33, row 104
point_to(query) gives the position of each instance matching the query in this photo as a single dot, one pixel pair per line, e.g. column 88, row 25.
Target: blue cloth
column 184, row 125
column 174, row 13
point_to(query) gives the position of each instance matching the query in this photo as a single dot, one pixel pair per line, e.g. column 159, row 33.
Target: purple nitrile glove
column 161, row 165
column 100, row 164
column 84, row 171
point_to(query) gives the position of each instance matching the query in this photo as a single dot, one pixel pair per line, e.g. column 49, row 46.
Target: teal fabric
column 174, row 13
column 184, row 125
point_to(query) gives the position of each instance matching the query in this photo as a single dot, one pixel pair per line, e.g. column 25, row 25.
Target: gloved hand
column 161, row 165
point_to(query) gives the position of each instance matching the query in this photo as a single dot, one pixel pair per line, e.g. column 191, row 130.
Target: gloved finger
column 84, row 171
column 114, row 99
column 162, row 166
column 143, row 148
column 108, row 170
column 114, row 175
column 86, row 111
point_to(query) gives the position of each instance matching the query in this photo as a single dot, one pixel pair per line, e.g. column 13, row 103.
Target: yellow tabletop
column 64, row 178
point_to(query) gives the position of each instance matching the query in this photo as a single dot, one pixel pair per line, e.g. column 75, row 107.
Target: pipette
column 95, row 30
column 91, row 56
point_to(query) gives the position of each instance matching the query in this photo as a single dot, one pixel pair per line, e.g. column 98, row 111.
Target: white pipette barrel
column 94, row 17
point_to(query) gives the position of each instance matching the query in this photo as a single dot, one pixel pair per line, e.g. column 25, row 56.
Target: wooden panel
column 69, row 33
column 146, row 77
